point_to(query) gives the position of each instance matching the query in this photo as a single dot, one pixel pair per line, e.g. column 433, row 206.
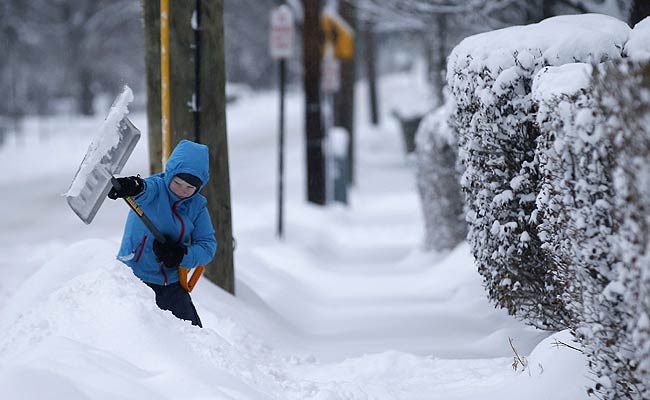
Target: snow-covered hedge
column 490, row 77
column 575, row 213
column 557, row 182
column 574, row 204
column 593, row 206
column 622, row 353
column 438, row 182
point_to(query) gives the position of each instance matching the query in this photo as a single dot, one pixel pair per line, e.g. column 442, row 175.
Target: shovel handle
column 188, row 284
column 138, row 211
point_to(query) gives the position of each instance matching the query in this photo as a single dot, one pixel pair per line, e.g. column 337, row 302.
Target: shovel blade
column 92, row 182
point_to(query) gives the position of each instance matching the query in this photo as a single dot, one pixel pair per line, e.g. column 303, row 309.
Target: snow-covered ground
column 346, row 307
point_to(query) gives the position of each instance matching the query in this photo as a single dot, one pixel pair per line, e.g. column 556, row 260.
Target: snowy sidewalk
column 345, row 308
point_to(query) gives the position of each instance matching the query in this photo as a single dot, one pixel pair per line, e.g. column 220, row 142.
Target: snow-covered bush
column 574, row 204
column 575, row 211
column 621, row 358
column 438, row 182
column 593, row 155
column 490, row 77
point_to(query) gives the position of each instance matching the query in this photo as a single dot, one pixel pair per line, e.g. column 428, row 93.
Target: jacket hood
column 189, row 158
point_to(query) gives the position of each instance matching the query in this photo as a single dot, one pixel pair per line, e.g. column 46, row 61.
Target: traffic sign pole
column 283, row 73
column 281, row 47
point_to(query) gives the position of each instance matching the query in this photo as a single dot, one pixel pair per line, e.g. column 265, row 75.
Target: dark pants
column 176, row 299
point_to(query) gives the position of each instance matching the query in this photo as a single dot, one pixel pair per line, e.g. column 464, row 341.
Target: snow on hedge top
column 638, row 47
column 568, row 79
column 558, row 40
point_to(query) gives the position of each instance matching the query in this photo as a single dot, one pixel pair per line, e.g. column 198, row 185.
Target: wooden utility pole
column 151, row 12
column 344, row 100
column 312, row 42
column 214, row 135
column 438, row 63
column 210, row 115
column 181, row 71
column 371, row 72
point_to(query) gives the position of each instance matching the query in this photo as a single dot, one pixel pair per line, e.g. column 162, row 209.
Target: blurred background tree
column 439, row 25
column 65, row 55
column 69, row 55
column 59, row 55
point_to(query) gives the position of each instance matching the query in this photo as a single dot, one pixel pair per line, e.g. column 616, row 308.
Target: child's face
column 181, row 188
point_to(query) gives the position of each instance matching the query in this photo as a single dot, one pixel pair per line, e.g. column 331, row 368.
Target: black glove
column 129, row 186
column 169, row 253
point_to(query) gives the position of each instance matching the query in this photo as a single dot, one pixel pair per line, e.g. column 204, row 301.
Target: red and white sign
column 282, row 32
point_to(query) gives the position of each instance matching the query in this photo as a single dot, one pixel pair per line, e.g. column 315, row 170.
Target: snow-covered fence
column 438, row 181
column 490, row 77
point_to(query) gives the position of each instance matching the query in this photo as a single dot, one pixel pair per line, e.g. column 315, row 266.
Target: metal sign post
column 330, row 84
column 281, row 47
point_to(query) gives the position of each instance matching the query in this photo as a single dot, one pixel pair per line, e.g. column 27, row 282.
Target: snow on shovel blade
column 105, row 157
column 91, row 184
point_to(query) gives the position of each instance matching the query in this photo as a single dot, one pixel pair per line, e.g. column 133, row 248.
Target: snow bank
column 551, row 362
column 89, row 329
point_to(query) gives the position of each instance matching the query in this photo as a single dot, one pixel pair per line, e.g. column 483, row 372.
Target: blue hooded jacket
column 182, row 220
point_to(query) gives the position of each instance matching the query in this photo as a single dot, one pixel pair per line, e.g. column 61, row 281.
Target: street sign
column 339, row 34
column 282, row 32
column 330, row 71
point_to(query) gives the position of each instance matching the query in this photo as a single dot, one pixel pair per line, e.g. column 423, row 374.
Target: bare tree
column 69, row 48
column 246, row 41
column 443, row 23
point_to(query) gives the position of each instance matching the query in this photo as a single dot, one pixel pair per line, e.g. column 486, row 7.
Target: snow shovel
column 106, row 156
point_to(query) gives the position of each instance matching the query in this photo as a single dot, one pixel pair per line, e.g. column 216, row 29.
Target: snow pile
column 91, row 329
column 84, row 327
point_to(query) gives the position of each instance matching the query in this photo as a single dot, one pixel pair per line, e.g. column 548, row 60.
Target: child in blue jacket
column 172, row 202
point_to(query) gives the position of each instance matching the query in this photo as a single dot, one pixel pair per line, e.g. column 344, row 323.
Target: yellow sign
column 339, row 34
